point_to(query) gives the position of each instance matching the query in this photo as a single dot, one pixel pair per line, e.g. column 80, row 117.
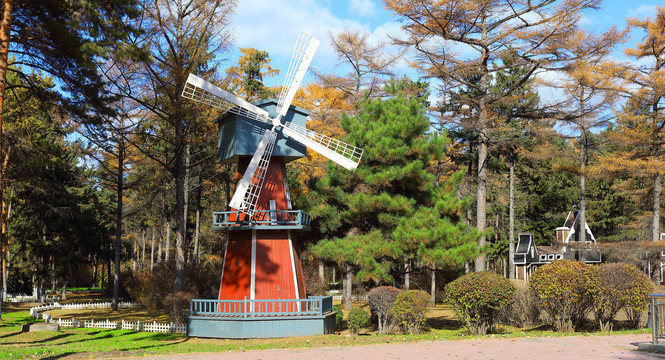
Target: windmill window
column 543, row 257
column 559, row 256
column 550, row 256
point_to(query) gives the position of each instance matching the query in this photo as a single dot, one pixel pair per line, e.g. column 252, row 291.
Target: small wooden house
column 529, row 256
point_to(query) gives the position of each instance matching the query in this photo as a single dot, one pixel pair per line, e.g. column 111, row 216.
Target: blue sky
column 273, row 25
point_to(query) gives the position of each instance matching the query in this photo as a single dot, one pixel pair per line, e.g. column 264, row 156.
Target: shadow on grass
column 10, row 334
column 156, row 346
column 443, row 323
column 59, row 356
column 35, row 342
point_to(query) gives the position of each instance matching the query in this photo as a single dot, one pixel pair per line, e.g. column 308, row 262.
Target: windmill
column 260, row 260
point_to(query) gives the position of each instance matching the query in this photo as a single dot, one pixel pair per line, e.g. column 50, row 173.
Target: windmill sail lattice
column 248, row 190
column 249, row 187
column 204, row 92
column 303, row 53
column 338, row 151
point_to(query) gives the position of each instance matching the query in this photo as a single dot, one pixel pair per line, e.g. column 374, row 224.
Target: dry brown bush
column 153, row 289
column 524, row 311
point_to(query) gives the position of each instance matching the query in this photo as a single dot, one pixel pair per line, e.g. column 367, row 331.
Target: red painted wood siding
column 237, row 267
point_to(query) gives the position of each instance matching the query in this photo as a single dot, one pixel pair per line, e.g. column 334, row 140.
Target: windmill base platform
column 244, row 319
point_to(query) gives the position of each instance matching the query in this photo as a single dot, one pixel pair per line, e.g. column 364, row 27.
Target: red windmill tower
column 261, row 261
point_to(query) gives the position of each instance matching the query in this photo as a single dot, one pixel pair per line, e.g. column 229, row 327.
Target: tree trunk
column 483, row 140
column 582, row 215
column 152, row 249
column 53, row 278
column 118, row 224
column 143, row 250
column 135, row 252
column 433, row 287
column 108, row 264
column 348, row 280
column 159, row 246
column 95, row 270
column 181, row 225
column 511, row 224
column 5, row 31
column 657, row 188
column 167, row 241
column 5, row 212
column 407, row 278
column 481, row 208
column 197, row 245
column 655, row 226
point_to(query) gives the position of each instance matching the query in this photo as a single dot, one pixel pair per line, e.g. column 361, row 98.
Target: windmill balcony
column 261, row 220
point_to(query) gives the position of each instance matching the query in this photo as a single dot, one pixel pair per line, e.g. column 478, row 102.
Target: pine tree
column 358, row 212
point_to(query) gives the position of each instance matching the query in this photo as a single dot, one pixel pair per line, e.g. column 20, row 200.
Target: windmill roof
column 264, row 102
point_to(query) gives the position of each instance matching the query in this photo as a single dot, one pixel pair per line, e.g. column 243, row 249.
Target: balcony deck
column 261, row 220
column 241, row 319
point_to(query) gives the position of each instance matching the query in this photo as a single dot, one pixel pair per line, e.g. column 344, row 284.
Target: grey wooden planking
column 259, row 327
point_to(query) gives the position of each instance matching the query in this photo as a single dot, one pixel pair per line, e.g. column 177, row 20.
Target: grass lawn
column 87, row 343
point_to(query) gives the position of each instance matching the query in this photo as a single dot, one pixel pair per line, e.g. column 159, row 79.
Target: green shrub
column 562, row 291
column 524, row 311
column 356, row 320
column 381, row 300
column 477, row 299
column 409, row 310
column 618, row 286
column 339, row 316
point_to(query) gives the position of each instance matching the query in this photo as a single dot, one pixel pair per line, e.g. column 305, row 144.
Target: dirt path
column 610, row 347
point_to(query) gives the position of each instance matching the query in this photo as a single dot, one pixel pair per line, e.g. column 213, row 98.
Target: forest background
column 480, row 120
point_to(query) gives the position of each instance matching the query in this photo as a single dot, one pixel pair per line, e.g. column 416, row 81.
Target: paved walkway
column 610, row 347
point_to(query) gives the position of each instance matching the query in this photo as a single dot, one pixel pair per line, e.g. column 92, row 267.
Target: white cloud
column 365, row 8
column 273, row 25
column 642, row 11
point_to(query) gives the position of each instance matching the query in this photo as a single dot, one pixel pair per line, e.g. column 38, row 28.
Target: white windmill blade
column 340, row 152
column 249, row 187
column 302, row 56
column 204, row 92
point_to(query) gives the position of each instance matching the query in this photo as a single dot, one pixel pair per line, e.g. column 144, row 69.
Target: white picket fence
column 40, row 312
column 20, row 298
column 37, row 311
column 125, row 325
column 353, row 297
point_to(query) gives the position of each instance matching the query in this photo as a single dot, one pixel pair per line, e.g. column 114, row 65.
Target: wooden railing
column 261, row 218
column 314, row 305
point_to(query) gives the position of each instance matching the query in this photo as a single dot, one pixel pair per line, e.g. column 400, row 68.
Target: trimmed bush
column 339, row 316
column 409, row 310
column 562, row 291
column 381, row 300
column 356, row 320
column 524, row 310
column 618, row 286
column 477, row 299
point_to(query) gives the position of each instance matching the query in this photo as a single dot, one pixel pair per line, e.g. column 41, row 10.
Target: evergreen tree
column 359, row 212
